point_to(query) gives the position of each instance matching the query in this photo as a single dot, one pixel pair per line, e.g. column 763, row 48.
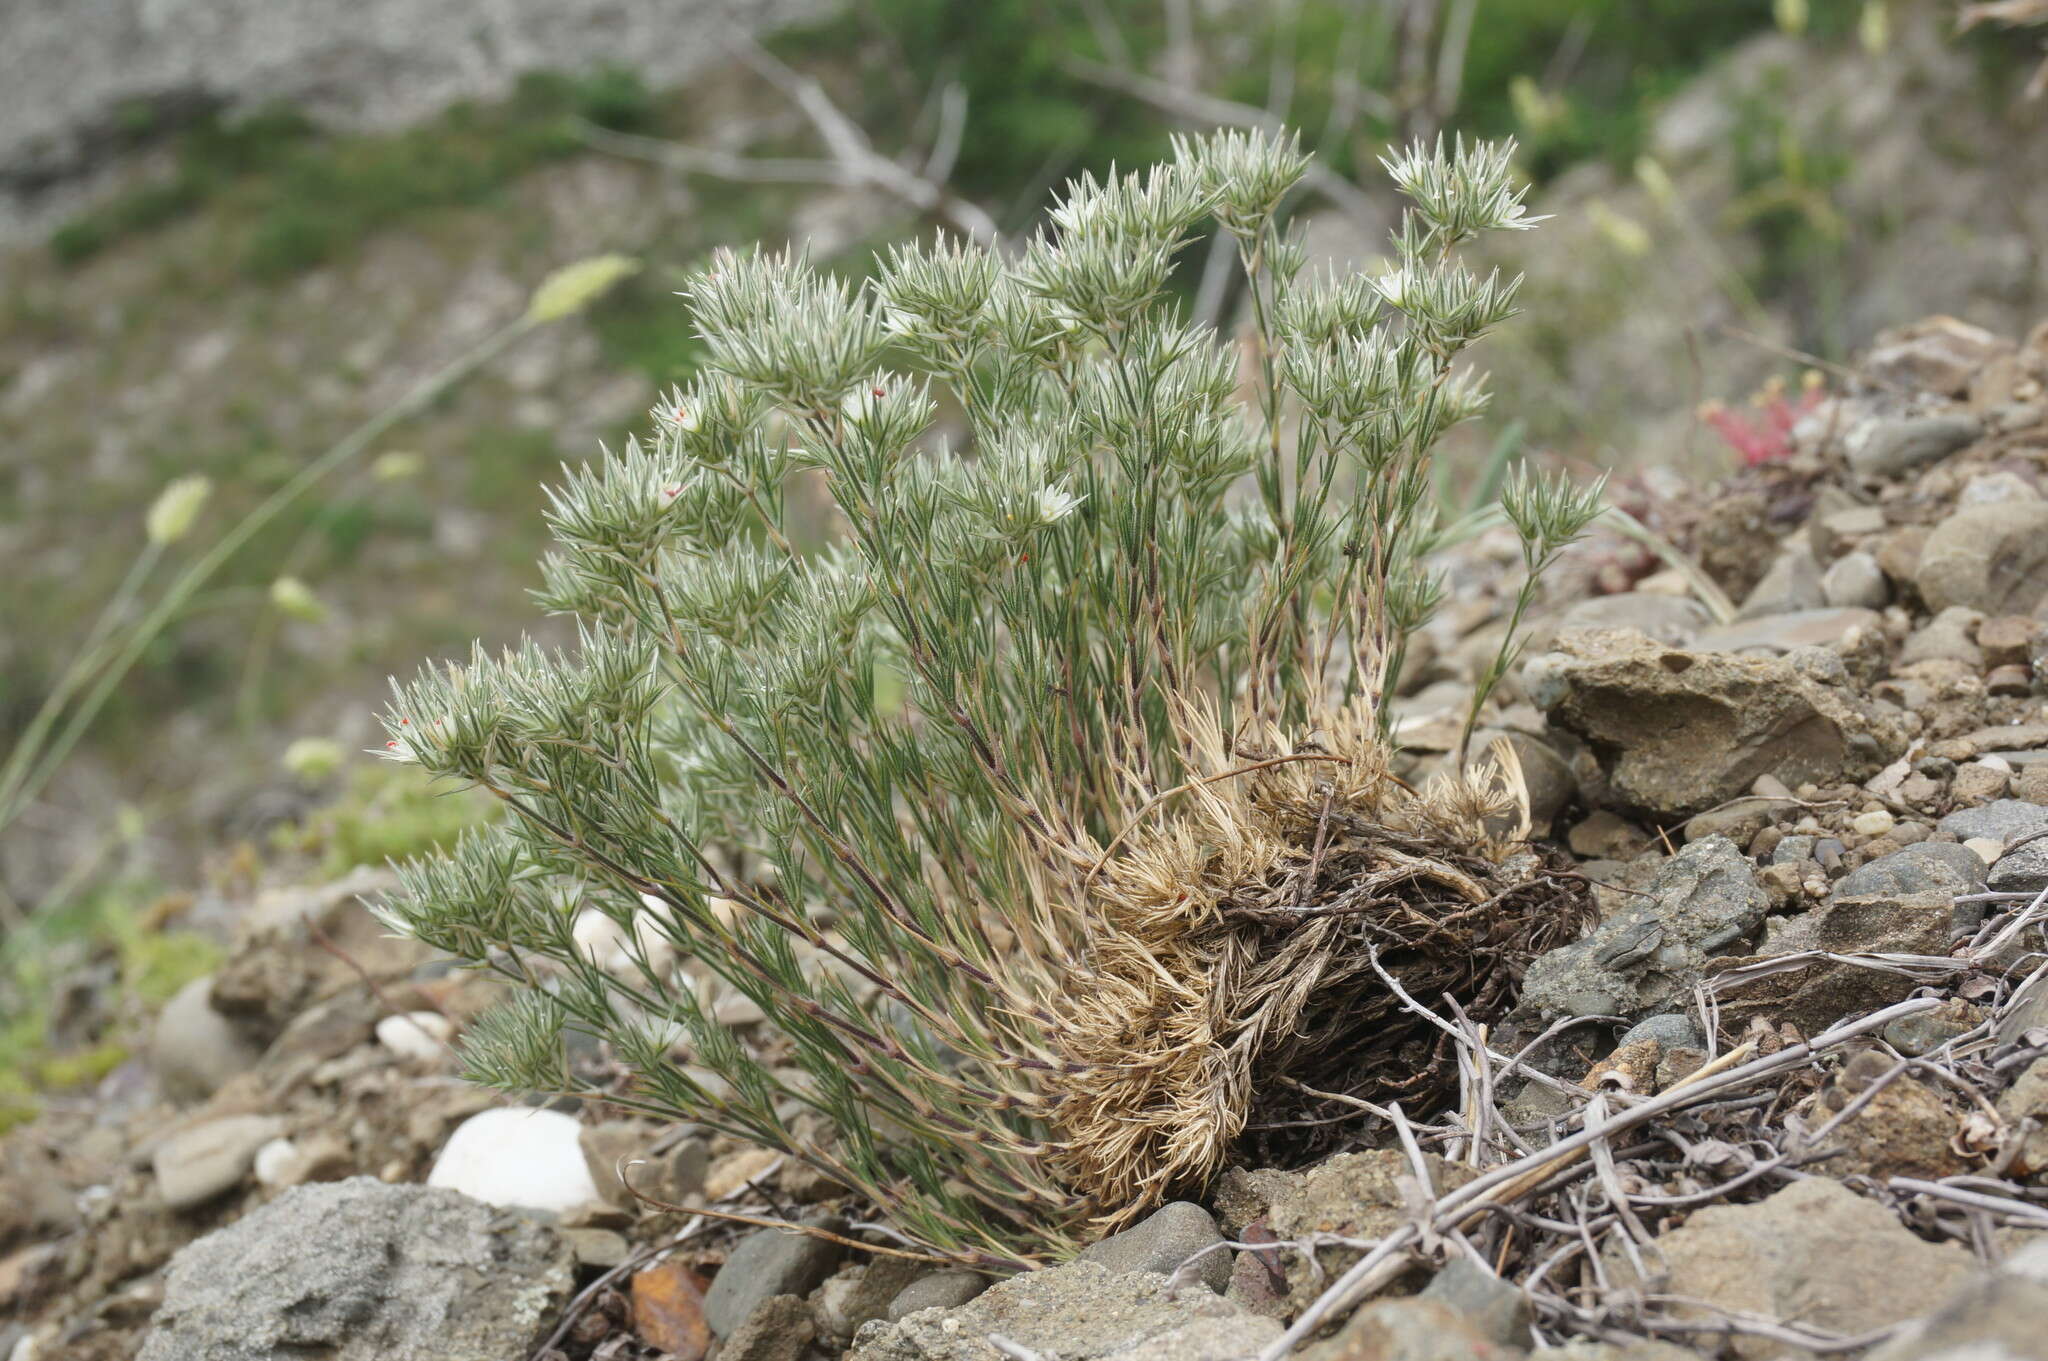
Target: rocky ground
column 1788, row 1098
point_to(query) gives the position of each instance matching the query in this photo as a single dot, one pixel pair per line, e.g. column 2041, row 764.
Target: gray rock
column 1078, row 1312
column 1999, row 1314
column 1989, row 558
column 1353, row 1195
column 766, row 1263
column 197, row 1164
column 1739, row 820
column 1647, row 957
column 1793, row 849
column 1417, row 1329
column 1856, row 582
column 1605, row 835
column 1948, row 637
column 1792, row 583
column 2024, row 869
column 1779, row 634
column 1817, row 996
column 1545, row 774
column 2022, row 1107
column 359, row 1270
column 1674, row 620
column 1939, row 354
column 1673, row 1030
column 1886, row 448
column 1495, row 1309
column 778, row 1329
column 1925, row 867
column 1927, row 1031
column 1162, row 1241
column 1832, row 532
column 1995, row 488
column 608, row 1145
column 326, row 1030
column 193, row 1048
column 863, row 1292
column 1815, row 1251
column 600, row 1248
column 2028, row 1010
column 1676, row 733
column 2002, row 820
column 940, row 1290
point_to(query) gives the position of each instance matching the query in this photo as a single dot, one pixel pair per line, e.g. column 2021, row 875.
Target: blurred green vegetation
column 1784, row 183
column 120, row 929
column 382, row 813
column 1035, row 118
column 118, row 924
column 301, row 196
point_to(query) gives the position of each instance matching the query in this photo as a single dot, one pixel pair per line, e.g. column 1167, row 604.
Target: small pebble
column 1874, row 823
column 1988, row 848
column 2010, row 680
column 280, row 1163
column 600, row 1248
column 421, row 1036
column 204, row 1160
column 520, row 1158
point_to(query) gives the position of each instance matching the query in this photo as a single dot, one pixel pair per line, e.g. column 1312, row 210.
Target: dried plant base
column 1235, row 956
column 1357, row 1039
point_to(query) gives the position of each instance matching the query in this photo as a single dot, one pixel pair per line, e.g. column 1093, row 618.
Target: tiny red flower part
column 1768, row 437
column 670, row 493
column 880, row 393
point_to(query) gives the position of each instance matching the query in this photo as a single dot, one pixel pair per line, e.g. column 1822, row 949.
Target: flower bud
column 312, row 758
column 296, row 598
column 176, row 507
column 574, row 287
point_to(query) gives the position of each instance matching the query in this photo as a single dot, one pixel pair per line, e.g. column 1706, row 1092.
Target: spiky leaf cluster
column 869, row 785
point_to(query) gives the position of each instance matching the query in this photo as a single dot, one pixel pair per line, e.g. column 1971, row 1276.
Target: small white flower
column 664, row 493
column 1055, row 504
column 859, row 404
column 400, row 750
column 1393, row 286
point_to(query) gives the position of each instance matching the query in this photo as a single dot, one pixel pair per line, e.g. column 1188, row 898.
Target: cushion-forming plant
column 1041, row 801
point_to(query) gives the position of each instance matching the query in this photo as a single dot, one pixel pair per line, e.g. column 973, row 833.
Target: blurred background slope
column 231, row 230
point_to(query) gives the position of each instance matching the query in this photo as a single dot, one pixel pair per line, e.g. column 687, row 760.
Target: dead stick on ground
column 1512, row 1180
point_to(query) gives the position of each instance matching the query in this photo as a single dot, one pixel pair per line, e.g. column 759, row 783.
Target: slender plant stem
column 202, row 570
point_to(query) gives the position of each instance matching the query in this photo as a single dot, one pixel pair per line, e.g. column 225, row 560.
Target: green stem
column 82, row 666
column 195, row 576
